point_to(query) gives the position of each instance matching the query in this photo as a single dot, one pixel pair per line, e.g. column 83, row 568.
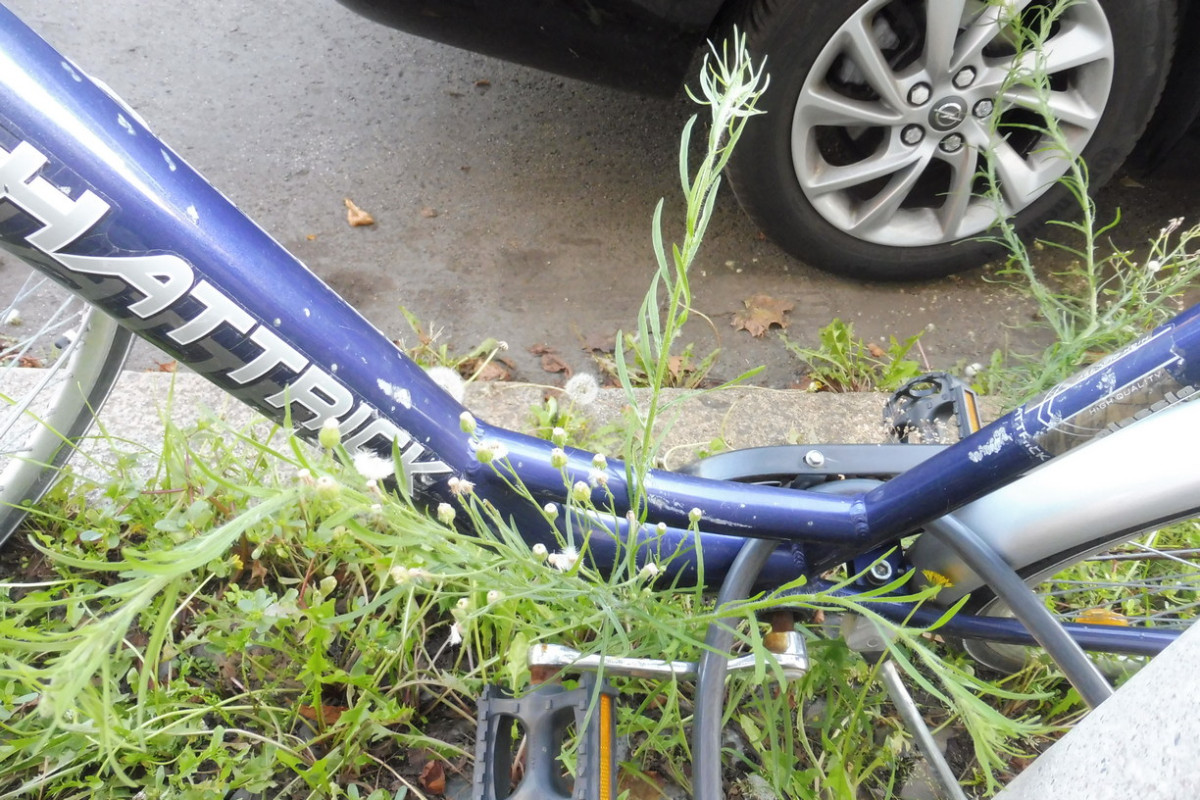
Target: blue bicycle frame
column 111, row 213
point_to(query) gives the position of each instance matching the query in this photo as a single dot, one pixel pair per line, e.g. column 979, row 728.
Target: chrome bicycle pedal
column 522, row 741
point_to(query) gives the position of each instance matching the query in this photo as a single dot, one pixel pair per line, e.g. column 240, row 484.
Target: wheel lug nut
column 912, row 134
column 919, row 95
column 984, row 108
column 952, row 143
column 965, row 77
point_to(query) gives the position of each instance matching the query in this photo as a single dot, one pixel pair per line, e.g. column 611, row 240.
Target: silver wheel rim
column 888, row 146
column 1144, row 583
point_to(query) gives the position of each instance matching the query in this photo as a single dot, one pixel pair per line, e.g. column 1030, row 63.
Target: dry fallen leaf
column 600, row 342
column 552, row 363
column 322, row 715
column 494, row 371
column 875, row 350
column 429, row 213
column 433, row 777
column 356, row 216
column 30, row 362
column 165, row 366
column 482, row 82
column 761, row 312
column 312, row 237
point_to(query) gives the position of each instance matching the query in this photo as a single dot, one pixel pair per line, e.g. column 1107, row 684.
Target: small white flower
column 558, row 458
column 581, row 492
column 449, row 380
column 564, row 560
column 495, row 596
column 445, row 513
column 597, row 478
column 467, row 422
column 491, row 451
column 539, row 551
column 1153, row 266
column 649, row 570
column 463, row 603
column 582, row 389
column 330, row 436
column 402, row 574
column 13, row 317
column 372, row 466
column 459, row 486
column 599, row 461
column 456, row 635
column 694, row 515
column 661, row 528
column 558, row 436
column 327, row 486
column 304, row 476
column 551, row 512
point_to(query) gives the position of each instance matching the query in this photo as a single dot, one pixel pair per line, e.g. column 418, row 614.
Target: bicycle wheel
column 1152, row 581
column 59, row 358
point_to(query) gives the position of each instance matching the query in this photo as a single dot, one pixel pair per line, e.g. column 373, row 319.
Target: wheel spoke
column 964, row 163
column 1074, row 46
column 878, row 212
column 879, row 165
column 825, row 107
column 1020, row 181
column 1068, row 108
column 942, row 22
column 990, row 23
column 865, row 52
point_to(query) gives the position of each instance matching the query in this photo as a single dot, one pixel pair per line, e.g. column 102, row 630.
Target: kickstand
column 920, row 731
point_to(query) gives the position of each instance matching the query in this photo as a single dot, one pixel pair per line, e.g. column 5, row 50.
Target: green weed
column 843, row 362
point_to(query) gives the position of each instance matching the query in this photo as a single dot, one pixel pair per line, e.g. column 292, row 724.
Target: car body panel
column 640, row 45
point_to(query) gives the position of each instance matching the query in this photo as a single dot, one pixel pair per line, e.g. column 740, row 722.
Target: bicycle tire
column 56, row 369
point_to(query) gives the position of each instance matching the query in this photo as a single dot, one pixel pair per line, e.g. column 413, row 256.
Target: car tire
column 852, row 167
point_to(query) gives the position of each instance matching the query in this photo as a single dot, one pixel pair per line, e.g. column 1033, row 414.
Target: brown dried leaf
column 676, row 366
column 600, row 342
column 322, row 715
column 875, row 350
column 31, row 362
column 494, row 371
column 761, row 312
column 483, row 82
column 433, row 777
column 552, row 363
column 429, row 213
column 165, row 366
column 541, row 349
column 356, row 216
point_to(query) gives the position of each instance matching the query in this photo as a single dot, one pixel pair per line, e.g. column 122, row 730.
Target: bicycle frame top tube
column 89, row 196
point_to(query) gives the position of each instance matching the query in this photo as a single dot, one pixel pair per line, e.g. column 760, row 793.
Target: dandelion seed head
column 597, row 478
column 373, row 466
column 449, row 380
column 582, row 388
column 459, row 486
column 490, row 451
column 456, row 635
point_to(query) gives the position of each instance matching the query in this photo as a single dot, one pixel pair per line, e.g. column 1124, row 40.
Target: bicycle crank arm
column 792, row 657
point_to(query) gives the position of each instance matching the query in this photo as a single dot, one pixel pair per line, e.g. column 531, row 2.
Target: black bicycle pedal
column 928, row 405
column 544, row 719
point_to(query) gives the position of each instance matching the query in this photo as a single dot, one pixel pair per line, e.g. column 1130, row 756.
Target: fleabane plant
column 730, row 85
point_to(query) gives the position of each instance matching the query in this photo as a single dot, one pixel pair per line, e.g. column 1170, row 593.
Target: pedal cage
column 546, row 715
column 930, row 403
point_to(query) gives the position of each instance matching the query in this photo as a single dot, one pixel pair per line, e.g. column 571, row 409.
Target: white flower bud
column 445, row 513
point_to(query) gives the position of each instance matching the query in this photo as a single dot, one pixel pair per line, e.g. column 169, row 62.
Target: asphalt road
column 509, row 203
